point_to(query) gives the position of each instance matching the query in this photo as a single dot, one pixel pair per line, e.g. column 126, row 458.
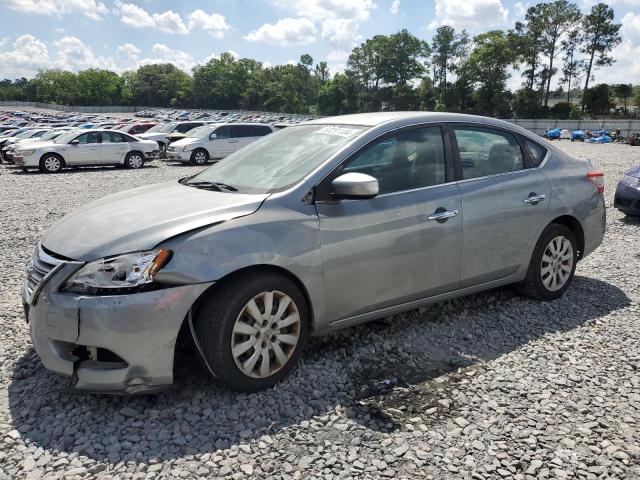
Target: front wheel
column 553, row 264
column 51, row 163
column 134, row 160
column 199, row 157
column 252, row 330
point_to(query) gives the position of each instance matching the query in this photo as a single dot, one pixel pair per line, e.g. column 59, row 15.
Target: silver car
column 85, row 148
column 311, row 229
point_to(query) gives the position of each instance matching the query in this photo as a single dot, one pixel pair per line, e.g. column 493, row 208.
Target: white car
column 161, row 133
column 215, row 141
column 86, row 148
column 7, row 150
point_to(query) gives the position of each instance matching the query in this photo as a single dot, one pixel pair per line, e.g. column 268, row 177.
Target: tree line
column 556, row 48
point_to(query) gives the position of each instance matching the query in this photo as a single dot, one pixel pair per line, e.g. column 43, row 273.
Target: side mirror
column 355, row 185
column 74, row 142
column 213, row 136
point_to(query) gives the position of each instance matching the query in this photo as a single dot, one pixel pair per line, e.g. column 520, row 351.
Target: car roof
column 379, row 118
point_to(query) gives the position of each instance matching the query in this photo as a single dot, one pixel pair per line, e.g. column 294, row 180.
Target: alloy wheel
column 200, row 158
column 557, row 263
column 265, row 334
column 52, row 164
column 135, row 161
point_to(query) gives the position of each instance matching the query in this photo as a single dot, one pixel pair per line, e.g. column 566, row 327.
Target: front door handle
column 533, row 198
column 442, row 215
column 233, row 141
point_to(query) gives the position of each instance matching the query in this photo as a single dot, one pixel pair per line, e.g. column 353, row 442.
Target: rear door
column 389, row 250
column 113, row 147
column 86, row 151
column 505, row 201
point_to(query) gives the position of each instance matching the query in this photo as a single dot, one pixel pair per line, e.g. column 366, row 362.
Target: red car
column 136, row 128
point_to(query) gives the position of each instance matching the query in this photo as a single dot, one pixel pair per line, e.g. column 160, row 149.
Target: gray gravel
column 489, row 386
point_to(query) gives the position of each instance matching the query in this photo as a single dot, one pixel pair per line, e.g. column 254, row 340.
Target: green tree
column 338, row 96
column 487, row 68
column 601, row 36
column 597, row 100
column 572, row 67
column 624, row 91
column 449, row 49
column 99, row 87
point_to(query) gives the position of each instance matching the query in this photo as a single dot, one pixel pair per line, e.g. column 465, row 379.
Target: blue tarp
column 600, row 139
column 577, row 135
column 553, row 133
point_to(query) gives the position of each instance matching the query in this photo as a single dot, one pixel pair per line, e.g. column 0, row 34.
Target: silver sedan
column 311, row 229
column 86, row 148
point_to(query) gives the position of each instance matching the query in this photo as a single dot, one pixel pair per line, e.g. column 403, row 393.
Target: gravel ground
column 489, row 386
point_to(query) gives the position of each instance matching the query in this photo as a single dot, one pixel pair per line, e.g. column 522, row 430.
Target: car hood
column 152, row 136
column 141, row 218
column 185, row 141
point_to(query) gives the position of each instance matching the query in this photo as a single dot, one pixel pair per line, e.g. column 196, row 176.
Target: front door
column 220, row 142
column 505, row 203
column 86, row 151
column 391, row 249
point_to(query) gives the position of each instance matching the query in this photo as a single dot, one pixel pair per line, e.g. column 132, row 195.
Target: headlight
column 119, row 274
column 25, row 153
column 631, row 181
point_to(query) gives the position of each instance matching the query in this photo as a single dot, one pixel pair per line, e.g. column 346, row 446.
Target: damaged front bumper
column 117, row 344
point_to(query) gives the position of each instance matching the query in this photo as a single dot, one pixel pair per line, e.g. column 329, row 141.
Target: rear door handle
column 533, row 198
column 442, row 215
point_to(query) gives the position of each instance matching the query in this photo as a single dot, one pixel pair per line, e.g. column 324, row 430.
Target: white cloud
column 128, row 50
column 170, row 21
column 73, row 54
column 470, row 14
column 520, row 9
column 631, row 27
column 322, row 9
column 338, row 56
column 395, row 7
column 285, row 32
column 341, row 30
column 27, row 56
column 164, row 54
column 626, row 69
column 215, row 23
column 3, row 41
column 87, row 8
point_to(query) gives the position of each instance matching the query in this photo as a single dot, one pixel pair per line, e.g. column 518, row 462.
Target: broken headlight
column 119, row 274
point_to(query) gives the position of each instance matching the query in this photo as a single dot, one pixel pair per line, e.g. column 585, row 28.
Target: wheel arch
column 185, row 333
column 573, row 224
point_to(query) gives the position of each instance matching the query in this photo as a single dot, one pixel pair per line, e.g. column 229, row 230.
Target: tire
column 51, row 163
column 199, row 156
column 134, row 160
column 223, row 324
column 550, row 281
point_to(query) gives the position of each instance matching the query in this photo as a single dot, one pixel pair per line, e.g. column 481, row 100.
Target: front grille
column 39, row 267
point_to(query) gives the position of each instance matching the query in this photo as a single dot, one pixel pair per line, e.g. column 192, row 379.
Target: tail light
column 597, row 177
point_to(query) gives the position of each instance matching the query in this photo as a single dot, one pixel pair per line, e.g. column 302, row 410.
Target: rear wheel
column 199, row 156
column 252, row 330
column 552, row 265
column 134, row 160
column 51, row 163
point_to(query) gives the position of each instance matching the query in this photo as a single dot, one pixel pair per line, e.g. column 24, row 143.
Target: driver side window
column 223, row 132
column 406, row 160
column 89, row 137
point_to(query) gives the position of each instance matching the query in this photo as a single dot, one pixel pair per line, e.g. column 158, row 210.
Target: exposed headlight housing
column 631, row 181
column 120, row 274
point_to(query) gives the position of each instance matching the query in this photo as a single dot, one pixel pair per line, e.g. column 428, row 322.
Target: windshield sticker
column 339, row 131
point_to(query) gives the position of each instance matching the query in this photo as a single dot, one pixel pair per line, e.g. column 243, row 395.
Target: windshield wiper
column 212, row 185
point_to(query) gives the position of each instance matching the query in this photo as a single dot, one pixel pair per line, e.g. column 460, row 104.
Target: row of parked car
column 279, row 119
column 52, row 146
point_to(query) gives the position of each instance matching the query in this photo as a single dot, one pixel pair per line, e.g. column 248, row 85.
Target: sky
column 122, row 34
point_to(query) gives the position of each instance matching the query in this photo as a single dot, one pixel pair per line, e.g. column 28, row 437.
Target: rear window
column 536, row 152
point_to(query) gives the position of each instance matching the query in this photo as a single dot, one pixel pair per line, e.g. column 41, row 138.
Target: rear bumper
column 627, row 199
column 134, row 335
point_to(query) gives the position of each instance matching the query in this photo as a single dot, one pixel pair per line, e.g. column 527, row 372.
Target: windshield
column 166, row 128
column 200, row 132
column 280, row 159
column 50, row 135
column 67, row 137
column 25, row 134
column 155, row 128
